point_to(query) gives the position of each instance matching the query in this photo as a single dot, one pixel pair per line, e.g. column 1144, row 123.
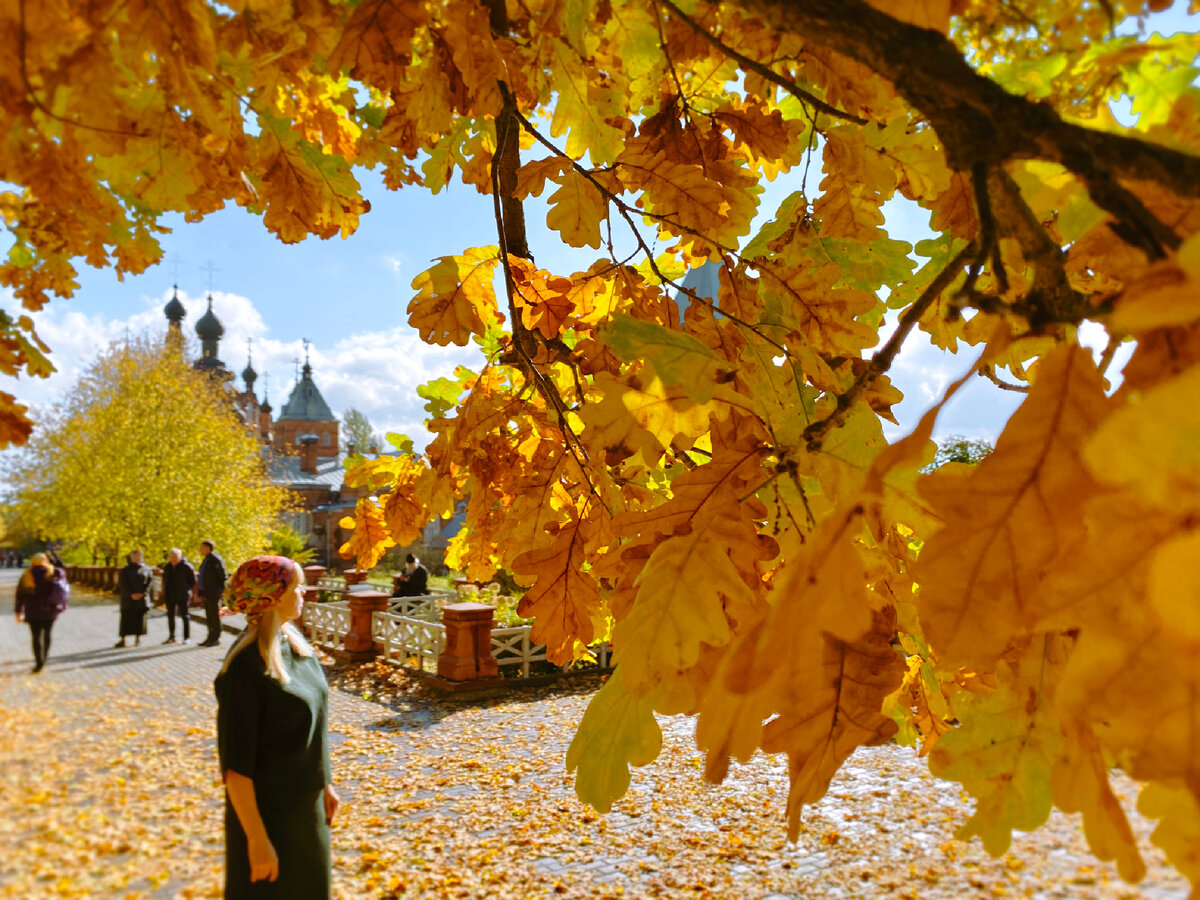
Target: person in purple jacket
column 42, row 594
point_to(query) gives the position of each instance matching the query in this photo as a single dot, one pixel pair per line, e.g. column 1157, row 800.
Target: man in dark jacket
column 179, row 582
column 413, row 581
column 210, row 584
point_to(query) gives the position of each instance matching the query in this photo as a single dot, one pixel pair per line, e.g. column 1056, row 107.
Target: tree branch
column 976, row 119
column 767, row 74
column 815, row 433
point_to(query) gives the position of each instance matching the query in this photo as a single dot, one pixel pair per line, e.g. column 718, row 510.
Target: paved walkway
column 110, row 790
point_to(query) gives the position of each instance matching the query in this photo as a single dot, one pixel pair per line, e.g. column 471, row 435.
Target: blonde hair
column 38, row 559
column 265, row 630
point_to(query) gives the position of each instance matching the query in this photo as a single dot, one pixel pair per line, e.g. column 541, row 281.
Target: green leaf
column 441, row 395
column 678, row 358
column 618, row 730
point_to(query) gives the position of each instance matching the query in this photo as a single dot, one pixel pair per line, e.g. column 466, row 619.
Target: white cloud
column 394, row 261
column 377, row 372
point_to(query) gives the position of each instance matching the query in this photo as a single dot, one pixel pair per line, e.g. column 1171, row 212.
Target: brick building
column 302, row 447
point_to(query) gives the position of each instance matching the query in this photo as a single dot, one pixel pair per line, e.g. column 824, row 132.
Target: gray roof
column 306, row 403
column 285, row 470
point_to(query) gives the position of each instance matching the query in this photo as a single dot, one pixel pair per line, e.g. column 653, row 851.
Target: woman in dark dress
column 135, row 587
column 273, row 741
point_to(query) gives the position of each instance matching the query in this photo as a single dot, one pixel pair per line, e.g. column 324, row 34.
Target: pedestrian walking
column 134, row 584
column 210, row 584
column 178, row 584
column 42, row 595
column 273, row 743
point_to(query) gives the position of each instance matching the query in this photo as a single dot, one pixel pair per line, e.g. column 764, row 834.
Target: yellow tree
column 146, row 452
column 707, row 483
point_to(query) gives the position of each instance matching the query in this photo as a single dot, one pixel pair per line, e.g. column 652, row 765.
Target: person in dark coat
column 414, row 580
column 42, row 594
column 134, row 584
column 210, row 584
column 273, row 744
column 178, row 584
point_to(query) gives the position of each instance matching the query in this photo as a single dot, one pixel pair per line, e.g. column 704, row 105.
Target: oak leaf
column 618, row 730
column 369, row 536
column 455, row 298
column 563, row 599
column 1006, row 520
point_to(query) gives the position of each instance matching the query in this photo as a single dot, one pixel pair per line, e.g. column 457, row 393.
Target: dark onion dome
column 174, row 310
column 209, row 327
column 249, row 375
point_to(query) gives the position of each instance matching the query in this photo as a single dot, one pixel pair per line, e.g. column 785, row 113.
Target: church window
column 325, row 439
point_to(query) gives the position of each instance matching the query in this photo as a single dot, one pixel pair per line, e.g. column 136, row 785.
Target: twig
column 989, row 372
column 882, row 360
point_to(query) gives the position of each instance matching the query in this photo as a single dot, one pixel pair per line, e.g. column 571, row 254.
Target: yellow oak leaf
column 1174, row 584
column 1079, row 783
column 403, row 508
column 369, row 536
column 1005, row 521
column 820, row 623
column 648, row 418
column 1137, row 686
column 455, row 298
column 618, row 730
column 1006, row 747
column 1151, row 444
column 563, row 599
column 1178, row 830
column 1163, row 296
column 838, row 698
column 684, row 593
column 576, row 210
column 717, row 200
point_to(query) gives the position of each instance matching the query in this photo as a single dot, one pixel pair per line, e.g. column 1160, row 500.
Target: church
column 302, row 447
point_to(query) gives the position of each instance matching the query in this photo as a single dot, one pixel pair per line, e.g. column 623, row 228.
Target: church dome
column 209, row 327
column 248, row 374
column 174, row 310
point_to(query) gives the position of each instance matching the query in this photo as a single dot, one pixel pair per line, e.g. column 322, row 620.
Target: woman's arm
column 264, row 863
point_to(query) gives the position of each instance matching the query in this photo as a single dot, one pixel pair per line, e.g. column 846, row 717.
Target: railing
column 424, row 606
column 407, row 640
column 512, row 646
column 328, row 623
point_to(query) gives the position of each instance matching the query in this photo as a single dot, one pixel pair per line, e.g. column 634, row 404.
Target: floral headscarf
column 260, row 583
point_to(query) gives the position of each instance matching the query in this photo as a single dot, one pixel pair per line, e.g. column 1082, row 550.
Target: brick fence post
column 358, row 644
column 356, row 576
column 468, row 652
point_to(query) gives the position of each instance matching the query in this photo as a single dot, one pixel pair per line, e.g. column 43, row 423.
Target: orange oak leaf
column 563, row 599
column 369, row 536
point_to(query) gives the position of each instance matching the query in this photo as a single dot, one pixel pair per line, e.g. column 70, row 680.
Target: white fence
column 412, row 635
column 329, row 623
column 512, row 647
column 407, row 640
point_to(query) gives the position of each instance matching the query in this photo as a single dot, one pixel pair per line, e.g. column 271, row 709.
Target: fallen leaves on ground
column 112, row 790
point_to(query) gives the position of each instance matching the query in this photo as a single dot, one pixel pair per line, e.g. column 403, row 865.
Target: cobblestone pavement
column 109, row 783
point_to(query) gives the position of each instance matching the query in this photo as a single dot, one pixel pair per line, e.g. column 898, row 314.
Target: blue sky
column 349, row 298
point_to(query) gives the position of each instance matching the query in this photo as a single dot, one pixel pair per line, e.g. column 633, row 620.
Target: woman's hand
column 331, row 803
column 264, row 863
